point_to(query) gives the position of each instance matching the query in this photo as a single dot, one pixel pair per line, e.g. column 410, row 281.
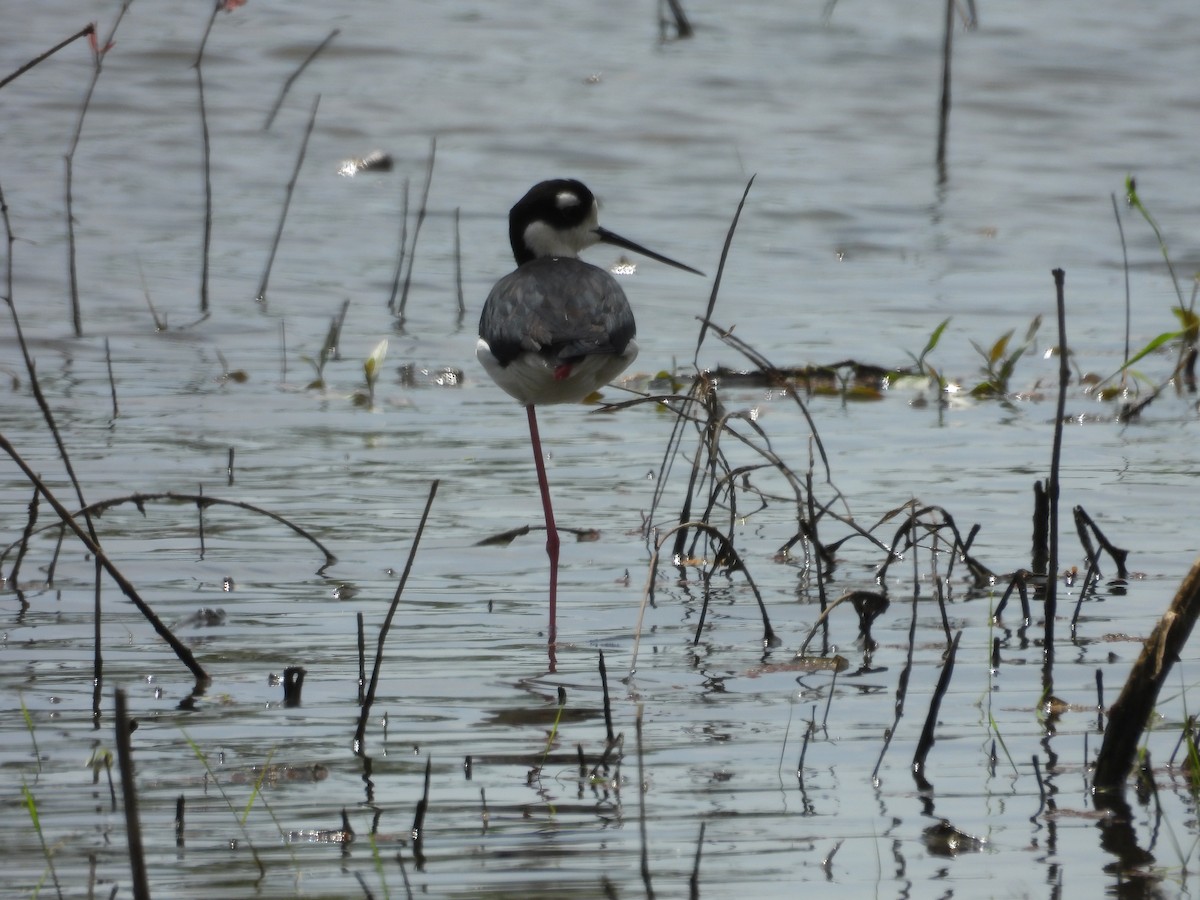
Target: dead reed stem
column 458, row 280
column 360, row 732
column 412, row 254
column 287, row 85
column 88, row 29
column 1052, row 483
column 206, row 147
column 391, row 304
column 287, row 201
column 133, row 829
column 712, row 297
column 944, row 105
column 99, row 49
column 645, row 846
column 926, row 741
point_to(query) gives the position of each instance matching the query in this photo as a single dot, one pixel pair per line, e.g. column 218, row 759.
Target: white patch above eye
column 566, row 199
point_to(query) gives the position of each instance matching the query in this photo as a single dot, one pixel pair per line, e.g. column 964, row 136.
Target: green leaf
column 934, row 337
column 999, row 347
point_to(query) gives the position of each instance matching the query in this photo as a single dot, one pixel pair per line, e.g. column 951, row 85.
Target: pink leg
column 551, row 529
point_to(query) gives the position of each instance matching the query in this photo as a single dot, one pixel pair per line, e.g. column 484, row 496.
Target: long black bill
column 609, row 237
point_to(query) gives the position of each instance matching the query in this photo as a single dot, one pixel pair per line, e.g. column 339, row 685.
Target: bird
column 556, row 328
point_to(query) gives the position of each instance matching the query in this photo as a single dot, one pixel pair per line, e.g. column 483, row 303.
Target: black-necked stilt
column 557, row 328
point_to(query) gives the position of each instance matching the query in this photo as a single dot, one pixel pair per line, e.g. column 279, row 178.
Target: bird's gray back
column 562, row 308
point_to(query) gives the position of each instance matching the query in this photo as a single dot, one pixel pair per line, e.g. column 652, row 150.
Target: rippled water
column 849, row 247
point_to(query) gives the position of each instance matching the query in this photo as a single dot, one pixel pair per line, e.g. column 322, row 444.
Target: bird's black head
column 555, row 218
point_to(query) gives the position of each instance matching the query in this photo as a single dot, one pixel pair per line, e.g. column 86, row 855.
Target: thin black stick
column 362, row 659
column 180, row 827
column 809, row 730
column 608, row 725
column 98, row 52
column 944, row 107
column 14, row 575
column 412, row 254
column 283, row 351
column 458, row 282
column 404, row 874
column 287, row 85
column 1041, row 527
column 391, row 304
column 90, row 28
column 133, row 828
column 694, row 881
column 683, row 28
column 1037, row 773
column 642, row 808
column 1125, row 268
column 287, row 200
column 1052, row 483
column 926, row 741
column 418, row 826
column 97, row 654
column 1118, row 555
column 387, row 624
column 200, row 518
column 206, row 147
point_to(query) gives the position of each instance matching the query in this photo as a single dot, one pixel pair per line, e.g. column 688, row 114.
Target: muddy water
column 849, row 247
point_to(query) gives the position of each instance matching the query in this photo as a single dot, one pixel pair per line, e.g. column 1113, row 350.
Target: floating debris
column 375, row 161
column 943, row 839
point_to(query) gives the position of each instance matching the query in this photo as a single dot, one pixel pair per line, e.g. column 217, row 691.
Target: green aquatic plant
column 999, row 361
column 372, row 366
column 31, row 806
column 329, row 348
column 1185, row 312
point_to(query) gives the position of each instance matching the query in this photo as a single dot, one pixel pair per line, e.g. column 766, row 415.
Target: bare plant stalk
column 360, row 732
column 712, row 297
column 287, row 85
column 642, row 809
column 412, row 255
column 391, row 304
column 98, row 53
column 925, row 743
column 287, row 201
column 694, row 880
column 97, row 646
column 1125, row 268
column 462, row 308
column 207, row 151
column 90, row 28
column 133, row 828
column 1052, row 483
column 944, row 107
column 112, row 384
column 683, row 28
